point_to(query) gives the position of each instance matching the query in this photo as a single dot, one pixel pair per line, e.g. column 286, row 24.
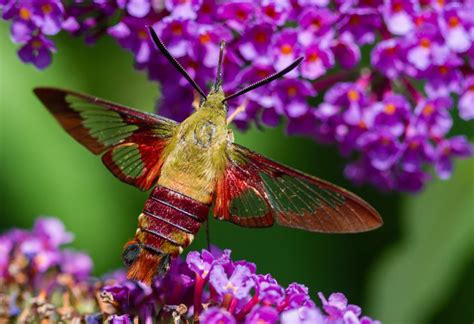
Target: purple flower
column 315, row 22
column 417, row 150
column 346, row 51
column 183, row 9
column 268, row 290
column 466, row 101
column 361, row 24
column 420, row 50
column 454, row 26
column 392, row 114
column 337, row 307
column 133, row 35
column 37, row 51
column 202, row 263
column 237, row 14
column 387, row 57
column 138, row 8
column 317, row 62
column 457, row 146
column 382, row 148
column 432, row 117
column 275, row 11
column 237, row 284
column 52, row 231
column 292, row 95
column 256, row 41
column 227, row 297
column 48, row 15
column 263, row 314
column 303, row 315
column 286, row 49
column 77, row 264
column 217, row 315
column 398, row 15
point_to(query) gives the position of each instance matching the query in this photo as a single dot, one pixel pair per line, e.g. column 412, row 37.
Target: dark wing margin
column 132, row 141
column 287, row 196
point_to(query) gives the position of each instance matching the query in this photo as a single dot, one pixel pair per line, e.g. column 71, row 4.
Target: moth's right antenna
column 266, row 80
column 173, row 61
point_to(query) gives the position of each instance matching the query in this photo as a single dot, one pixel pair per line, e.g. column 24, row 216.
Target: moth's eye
column 130, row 253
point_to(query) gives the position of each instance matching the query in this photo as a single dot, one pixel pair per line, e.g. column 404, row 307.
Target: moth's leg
column 196, row 100
column 237, row 111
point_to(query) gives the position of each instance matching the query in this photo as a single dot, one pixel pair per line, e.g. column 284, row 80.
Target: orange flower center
column 443, row 70
column 353, row 95
column 291, row 91
column 362, row 124
column 270, row 12
column 177, row 29
column 142, row 34
column 391, row 50
column 313, row 57
column 471, row 88
column 397, row 7
column 390, row 109
column 242, row 15
column 262, row 74
column 47, row 8
column 260, row 37
column 354, row 20
column 206, row 8
column 36, row 44
column 446, row 150
column 419, row 21
column 453, row 21
column 204, row 38
column 286, row 49
column 428, row 110
column 441, row 2
column 24, row 14
column 316, row 23
column 425, row 42
column 385, row 140
column 413, row 145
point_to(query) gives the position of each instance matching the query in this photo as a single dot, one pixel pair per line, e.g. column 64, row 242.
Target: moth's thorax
column 195, row 157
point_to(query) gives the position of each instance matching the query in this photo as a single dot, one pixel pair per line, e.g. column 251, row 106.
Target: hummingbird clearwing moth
column 194, row 165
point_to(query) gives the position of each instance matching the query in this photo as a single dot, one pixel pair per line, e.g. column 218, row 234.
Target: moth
column 194, row 165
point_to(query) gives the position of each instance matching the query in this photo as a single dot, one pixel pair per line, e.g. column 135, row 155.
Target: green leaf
column 418, row 275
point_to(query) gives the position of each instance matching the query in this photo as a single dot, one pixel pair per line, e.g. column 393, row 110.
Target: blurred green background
column 418, row 268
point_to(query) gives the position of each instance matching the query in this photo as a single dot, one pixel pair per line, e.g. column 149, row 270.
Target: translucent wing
column 256, row 191
column 132, row 141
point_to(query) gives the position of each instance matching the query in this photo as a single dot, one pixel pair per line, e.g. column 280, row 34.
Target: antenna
column 219, row 67
column 266, row 80
column 173, row 61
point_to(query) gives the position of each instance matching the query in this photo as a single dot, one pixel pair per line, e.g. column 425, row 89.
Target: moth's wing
column 131, row 141
column 256, row 191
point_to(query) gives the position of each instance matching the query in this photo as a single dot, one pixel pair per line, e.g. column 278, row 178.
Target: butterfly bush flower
column 41, row 281
column 389, row 107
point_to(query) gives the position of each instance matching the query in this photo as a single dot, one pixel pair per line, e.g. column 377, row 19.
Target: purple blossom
column 387, row 57
column 466, row 101
column 38, row 50
column 217, row 315
column 237, row 284
column 421, row 53
column 222, row 289
column 457, row 146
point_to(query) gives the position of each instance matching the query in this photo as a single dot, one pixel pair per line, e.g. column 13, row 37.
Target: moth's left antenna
column 173, row 61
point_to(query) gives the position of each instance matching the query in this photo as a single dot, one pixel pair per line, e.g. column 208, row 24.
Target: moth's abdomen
column 166, row 226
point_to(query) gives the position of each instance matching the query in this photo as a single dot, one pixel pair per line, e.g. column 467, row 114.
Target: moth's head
column 215, row 100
